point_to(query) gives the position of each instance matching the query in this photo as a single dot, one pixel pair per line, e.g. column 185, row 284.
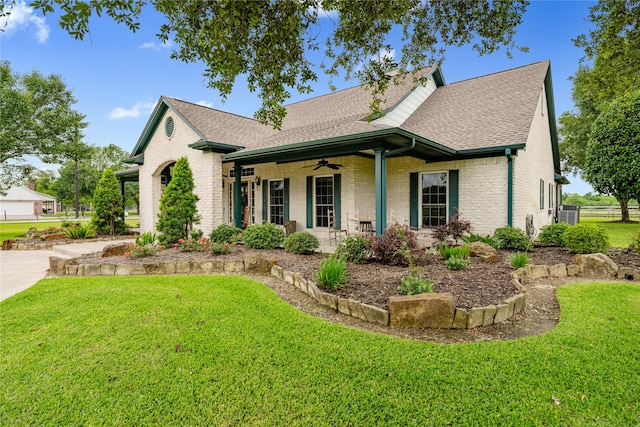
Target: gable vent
column 169, row 126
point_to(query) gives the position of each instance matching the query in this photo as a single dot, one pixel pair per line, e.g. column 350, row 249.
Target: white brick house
column 485, row 147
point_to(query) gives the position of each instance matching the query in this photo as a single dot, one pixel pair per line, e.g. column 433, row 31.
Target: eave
column 214, row 147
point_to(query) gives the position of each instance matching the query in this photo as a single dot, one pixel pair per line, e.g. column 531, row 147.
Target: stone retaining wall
column 35, row 245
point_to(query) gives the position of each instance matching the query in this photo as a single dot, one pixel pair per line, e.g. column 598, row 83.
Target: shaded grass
column 620, row 235
column 225, row 350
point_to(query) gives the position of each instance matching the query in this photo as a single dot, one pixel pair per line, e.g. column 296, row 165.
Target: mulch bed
column 478, row 285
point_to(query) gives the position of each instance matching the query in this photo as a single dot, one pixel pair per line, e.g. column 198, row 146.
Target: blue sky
column 117, row 76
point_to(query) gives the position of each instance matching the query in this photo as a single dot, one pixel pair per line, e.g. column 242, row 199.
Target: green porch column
column 237, row 194
column 381, row 191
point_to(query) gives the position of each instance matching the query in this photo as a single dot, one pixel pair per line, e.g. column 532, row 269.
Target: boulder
column 259, row 263
column 595, row 265
column 115, row 249
column 57, row 265
column 623, row 273
column 433, row 310
column 484, row 251
column 55, row 236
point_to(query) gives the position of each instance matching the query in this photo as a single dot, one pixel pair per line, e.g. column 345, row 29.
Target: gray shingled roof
column 489, row 111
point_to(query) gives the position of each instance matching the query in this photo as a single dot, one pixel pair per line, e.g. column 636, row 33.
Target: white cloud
column 140, row 108
column 21, row 17
column 156, row 45
column 205, row 103
column 332, row 14
column 380, row 57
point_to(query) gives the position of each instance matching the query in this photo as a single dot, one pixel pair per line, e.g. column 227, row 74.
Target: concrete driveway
column 22, row 269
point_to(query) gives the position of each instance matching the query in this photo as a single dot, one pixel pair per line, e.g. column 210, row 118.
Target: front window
column 276, row 202
column 324, row 200
column 434, row 199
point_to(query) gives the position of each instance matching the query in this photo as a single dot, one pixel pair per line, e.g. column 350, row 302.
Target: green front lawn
column 17, row 229
column 225, row 350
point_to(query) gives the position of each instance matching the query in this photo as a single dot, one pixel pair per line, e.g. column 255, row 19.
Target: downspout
column 381, row 184
column 507, row 153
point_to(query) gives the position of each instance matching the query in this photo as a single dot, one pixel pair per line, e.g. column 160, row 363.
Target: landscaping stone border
column 435, row 310
column 46, row 245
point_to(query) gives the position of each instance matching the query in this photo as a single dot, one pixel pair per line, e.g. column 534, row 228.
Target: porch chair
column 353, row 225
column 333, row 231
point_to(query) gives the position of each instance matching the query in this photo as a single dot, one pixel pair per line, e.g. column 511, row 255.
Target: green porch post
column 237, row 194
column 381, row 201
column 507, row 153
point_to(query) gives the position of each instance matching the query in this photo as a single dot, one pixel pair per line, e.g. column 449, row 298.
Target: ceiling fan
column 324, row 163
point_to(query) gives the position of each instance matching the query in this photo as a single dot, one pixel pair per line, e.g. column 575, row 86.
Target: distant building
column 23, row 203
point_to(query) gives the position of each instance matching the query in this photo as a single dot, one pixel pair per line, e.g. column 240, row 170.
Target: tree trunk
column 77, row 190
column 624, row 207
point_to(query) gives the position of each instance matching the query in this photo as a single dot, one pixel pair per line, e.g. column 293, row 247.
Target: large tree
column 269, row 41
column 107, row 203
column 36, row 120
column 613, row 47
column 612, row 161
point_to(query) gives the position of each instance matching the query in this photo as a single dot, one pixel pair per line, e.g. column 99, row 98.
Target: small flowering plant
column 136, row 250
column 192, row 245
column 220, row 248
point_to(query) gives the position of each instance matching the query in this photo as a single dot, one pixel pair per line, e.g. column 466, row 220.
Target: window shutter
column 286, row 199
column 413, row 199
column 337, row 203
column 265, row 201
column 541, row 194
column 309, row 202
column 453, row 192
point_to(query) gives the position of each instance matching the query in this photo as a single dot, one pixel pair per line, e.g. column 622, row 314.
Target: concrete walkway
column 21, row 269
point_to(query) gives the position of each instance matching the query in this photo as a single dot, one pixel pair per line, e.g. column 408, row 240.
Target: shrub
column 192, row 245
column 551, row 235
column 301, row 243
column 457, row 251
column 484, row 239
column 263, row 236
column 518, row 260
column 354, row 249
column 509, row 237
column 178, row 211
column 455, row 229
column 586, row 239
column 333, row 273
column 138, row 251
column 635, row 241
column 197, row 234
column 386, row 247
column 415, row 284
column 440, row 234
column 225, row 233
column 147, row 238
column 456, row 262
column 220, row 248
column 107, row 203
column 80, row 231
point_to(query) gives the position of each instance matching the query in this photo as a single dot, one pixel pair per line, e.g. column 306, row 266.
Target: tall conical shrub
column 178, row 211
column 107, row 203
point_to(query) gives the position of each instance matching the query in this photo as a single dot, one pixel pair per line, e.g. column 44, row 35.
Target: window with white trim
column 276, row 202
column 323, row 200
column 434, row 199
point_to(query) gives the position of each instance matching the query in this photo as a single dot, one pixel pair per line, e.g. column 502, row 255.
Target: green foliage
column 192, row 245
column 415, row 284
column 217, row 248
column 80, row 231
column 454, row 251
column 197, row 234
column 225, row 233
column 107, row 203
column 387, row 247
column 36, row 118
column 551, row 234
column 484, row 239
column 301, row 243
column 456, row 262
column 586, row 239
column 263, row 236
column 512, row 238
column 354, row 249
column 332, row 273
column 147, row 238
column 612, row 161
column 270, row 40
column 140, row 251
column 590, row 199
column 178, row 211
column 456, row 228
column 518, row 260
column 635, row 241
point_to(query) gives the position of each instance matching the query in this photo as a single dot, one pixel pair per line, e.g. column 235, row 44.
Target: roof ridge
column 500, row 72
column 209, row 108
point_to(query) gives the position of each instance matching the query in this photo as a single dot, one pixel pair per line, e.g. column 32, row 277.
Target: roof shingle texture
column 489, row 111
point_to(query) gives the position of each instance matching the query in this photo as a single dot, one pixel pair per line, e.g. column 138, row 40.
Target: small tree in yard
column 178, row 211
column 107, row 203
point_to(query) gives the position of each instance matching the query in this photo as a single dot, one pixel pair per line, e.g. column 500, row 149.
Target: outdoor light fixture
column 258, row 181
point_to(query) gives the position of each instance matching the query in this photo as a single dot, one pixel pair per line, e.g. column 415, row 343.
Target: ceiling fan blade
column 334, row 167
column 317, row 167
